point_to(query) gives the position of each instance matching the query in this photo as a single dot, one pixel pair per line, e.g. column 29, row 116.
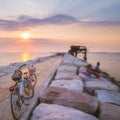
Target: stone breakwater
column 44, row 71
column 63, row 93
column 71, row 95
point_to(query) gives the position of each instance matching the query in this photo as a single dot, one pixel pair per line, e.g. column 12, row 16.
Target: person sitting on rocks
column 90, row 72
column 98, row 70
column 97, row 67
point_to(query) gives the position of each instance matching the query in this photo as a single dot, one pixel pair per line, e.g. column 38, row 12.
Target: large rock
column 86, row 79
column 91, row 86
column 57, row 112
column 7, row 69
column 66, row 68
column 82, row 69
column 108, row 96
column 75, row 99
column 109, row 112
column 103, row 79
column 65, row 75
column 73, row 61
column 75, row 84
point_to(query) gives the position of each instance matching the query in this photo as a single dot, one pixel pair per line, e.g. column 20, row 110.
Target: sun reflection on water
column 25, row 56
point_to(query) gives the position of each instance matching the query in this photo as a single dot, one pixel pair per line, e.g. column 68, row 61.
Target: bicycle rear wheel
column 28, row 91
column 33, row 79
column 15, row 104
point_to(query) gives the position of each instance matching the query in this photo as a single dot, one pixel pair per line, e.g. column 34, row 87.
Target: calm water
column 6, row 58
column 110, row 62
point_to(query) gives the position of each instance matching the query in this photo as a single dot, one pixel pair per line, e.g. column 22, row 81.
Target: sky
column 55, row 25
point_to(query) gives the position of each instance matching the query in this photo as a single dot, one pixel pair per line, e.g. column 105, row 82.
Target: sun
column 25, row 35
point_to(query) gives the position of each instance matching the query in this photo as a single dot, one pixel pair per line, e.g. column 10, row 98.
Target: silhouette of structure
column 74, row 50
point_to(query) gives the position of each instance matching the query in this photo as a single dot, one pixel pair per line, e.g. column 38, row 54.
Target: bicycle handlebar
column 21, row 66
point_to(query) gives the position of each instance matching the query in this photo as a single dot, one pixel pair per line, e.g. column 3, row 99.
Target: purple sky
column 57, row 24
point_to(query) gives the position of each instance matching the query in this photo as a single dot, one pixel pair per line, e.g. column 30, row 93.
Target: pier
column 75, row 50
column 45, row 70
column 64, row 93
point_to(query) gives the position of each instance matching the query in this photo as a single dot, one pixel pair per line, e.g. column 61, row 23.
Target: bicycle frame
column 21, row 86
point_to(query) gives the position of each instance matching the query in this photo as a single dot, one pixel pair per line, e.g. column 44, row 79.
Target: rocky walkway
column 45, row 72
column 72, row 95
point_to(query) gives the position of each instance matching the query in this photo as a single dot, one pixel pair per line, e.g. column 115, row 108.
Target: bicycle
column 28, row 88
column 20, row 91
column 32, row 75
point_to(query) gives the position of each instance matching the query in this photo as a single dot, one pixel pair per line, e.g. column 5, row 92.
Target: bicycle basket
column 16, row 75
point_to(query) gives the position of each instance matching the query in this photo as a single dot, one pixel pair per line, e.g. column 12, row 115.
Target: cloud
column 55, row 19
column 60, row 19
column 99, row 23
column 25, row 22
column 8, row 25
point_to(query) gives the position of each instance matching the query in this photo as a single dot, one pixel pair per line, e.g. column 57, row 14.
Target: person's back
column 97, row 67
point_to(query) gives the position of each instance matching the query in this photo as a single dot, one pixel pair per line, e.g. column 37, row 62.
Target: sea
column 110, row 62
column 7, row 58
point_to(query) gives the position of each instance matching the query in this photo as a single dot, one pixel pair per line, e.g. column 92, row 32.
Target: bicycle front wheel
column 28, row 92
column 33, row 79
column 15, row 104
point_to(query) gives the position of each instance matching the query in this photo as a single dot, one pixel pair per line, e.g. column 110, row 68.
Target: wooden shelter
column 74, row 50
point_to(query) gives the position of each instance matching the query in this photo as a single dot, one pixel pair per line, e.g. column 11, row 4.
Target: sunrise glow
column 54, row 26
column 25, row 56
column 25, row 35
